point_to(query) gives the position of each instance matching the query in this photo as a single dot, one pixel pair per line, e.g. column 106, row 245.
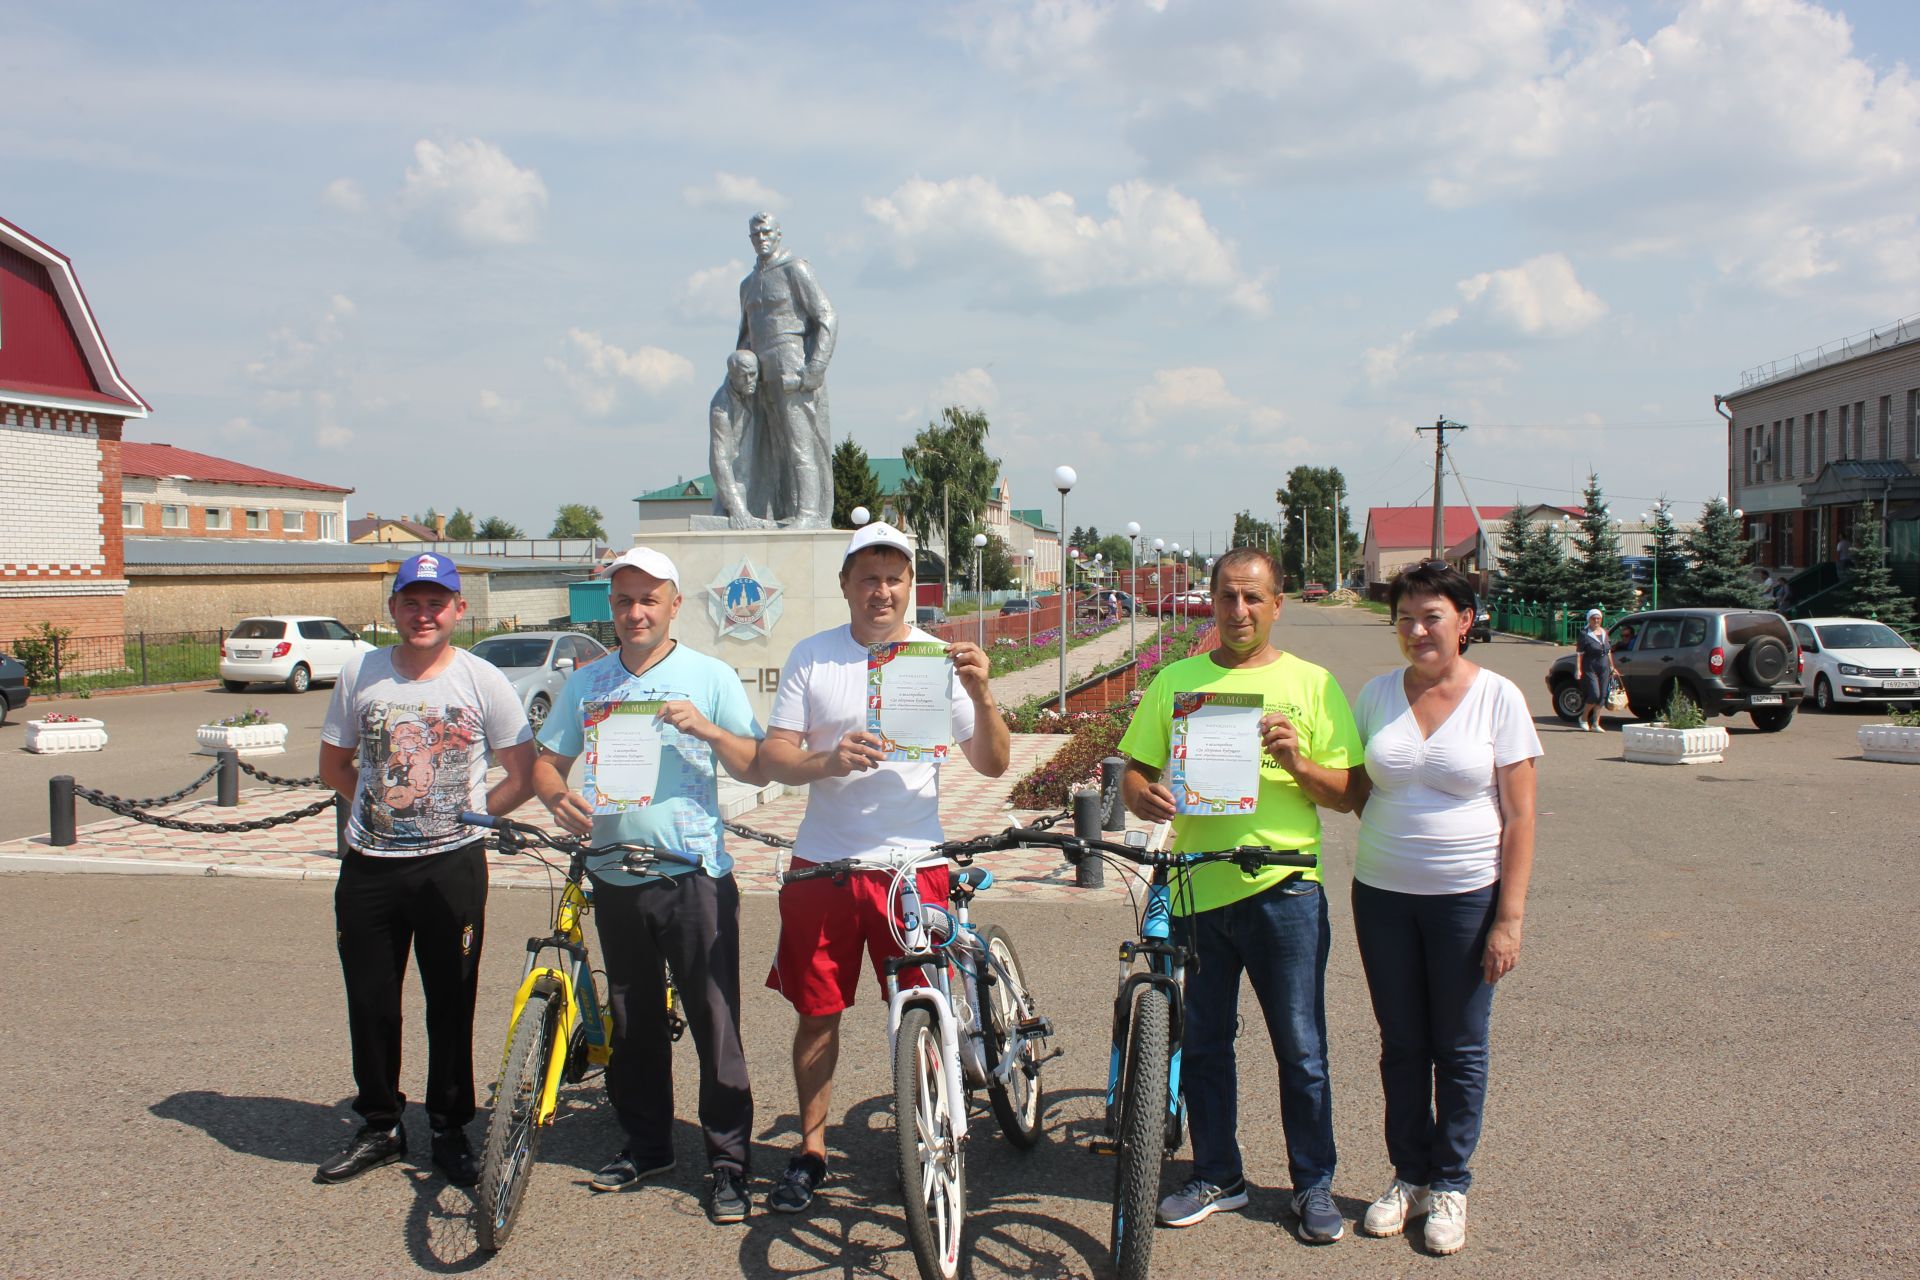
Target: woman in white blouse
column 1439, row 890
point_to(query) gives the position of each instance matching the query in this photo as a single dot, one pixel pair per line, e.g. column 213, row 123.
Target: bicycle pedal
column 1034, row 1028
column 1104, row 1146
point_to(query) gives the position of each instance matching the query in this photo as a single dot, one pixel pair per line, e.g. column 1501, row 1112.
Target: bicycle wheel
column 932, row 1174
column 513, row 1140
column 1004, row 1004
column 1143, row 1133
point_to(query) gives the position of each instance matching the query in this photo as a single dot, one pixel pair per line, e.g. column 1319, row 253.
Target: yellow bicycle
column 560, row 1031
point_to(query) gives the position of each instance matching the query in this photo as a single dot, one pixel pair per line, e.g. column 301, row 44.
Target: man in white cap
column 690, row 919
column 860, row 806
column 406, row 744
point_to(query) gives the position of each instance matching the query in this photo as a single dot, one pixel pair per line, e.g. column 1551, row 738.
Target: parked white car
column 537, row 663
column 294, row 651
column 1856, row 660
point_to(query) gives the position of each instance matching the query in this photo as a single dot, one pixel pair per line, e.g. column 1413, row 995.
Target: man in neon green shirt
column 1230, row 922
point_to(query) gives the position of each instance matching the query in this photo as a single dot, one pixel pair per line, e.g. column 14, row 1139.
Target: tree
column 460, row 525
column 1249, row 532
column 1669, row 559
column 1598, row 579
column 1871, row 590
column 997, row 572
column 1083, row 540
column 1516, row 557
column 577, row 520
column 948, row 462
column 427, row 517
column 1114, row 547
column 1308, row 495
column 1719, row 575
column 854, row 484
column 499, row 528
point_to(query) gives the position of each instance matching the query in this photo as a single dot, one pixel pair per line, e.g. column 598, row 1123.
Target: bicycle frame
column 580, row 1005
column 936, row 996
column 1165, row 967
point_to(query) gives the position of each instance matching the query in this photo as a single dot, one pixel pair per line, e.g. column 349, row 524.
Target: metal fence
column 1554, row 623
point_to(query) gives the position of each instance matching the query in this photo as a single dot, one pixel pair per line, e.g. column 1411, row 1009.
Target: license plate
column 246, row 653
column 1765, row 700
column 1900, row 684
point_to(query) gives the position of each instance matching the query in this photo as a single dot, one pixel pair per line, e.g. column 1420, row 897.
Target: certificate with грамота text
column 910, row 699
column 1213, row 764
column 622, row 755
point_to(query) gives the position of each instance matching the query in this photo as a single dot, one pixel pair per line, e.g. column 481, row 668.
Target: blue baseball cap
column 426, row 567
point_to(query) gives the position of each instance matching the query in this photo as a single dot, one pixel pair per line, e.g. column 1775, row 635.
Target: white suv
column 294, row 651
column 1857, row 660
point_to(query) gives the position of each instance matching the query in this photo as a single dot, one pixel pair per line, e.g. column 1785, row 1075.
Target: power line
column 1609, row 426
column 1551, row 488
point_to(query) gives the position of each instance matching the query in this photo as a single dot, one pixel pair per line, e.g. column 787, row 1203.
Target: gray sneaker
column 627, row 1170
column 1320, row 1220
column 1200, row 1198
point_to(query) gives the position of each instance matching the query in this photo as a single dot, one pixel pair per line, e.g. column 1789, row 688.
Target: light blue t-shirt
column 685, row 813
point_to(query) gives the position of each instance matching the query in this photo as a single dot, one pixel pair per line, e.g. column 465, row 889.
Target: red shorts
column 823, row 929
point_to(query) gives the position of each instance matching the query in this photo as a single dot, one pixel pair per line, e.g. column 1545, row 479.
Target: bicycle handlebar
column 1248, row 857
column 636, row 857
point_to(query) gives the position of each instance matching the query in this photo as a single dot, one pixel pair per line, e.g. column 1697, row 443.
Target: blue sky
column 486, row 254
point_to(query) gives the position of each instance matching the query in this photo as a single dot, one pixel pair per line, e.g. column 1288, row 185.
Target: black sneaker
column 454, row 1158
column 1199, row 1200
column 369, row 1149
column 1320, row 1220
column 626, row 1170
column 794, row 1192
column 727, row 1201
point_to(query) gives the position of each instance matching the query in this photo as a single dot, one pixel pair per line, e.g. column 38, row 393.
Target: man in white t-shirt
column 859, row 806
column 406, row 744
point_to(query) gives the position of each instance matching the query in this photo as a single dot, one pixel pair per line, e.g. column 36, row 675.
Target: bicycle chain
column 127, row 809
column 274, row 781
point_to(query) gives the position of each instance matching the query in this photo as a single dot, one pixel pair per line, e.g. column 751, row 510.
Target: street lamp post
column 1335, row 508
column 979, row 541
column 1133, row 583
column 1179, row 582
column 1063, row 480
column 1031, row 610
column 1306, row 546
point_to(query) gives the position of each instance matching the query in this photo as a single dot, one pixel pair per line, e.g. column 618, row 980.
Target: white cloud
column 712, row 293
column 1466, row 345
column 343, row 195
column 597, row 387
column 1193, row 411
column 467, row 195
column 1155, row 238
column 495, row 405
column 969, row 388
column 333, row 436
column 734, row 190
column 293, row 350
column 1540, row 296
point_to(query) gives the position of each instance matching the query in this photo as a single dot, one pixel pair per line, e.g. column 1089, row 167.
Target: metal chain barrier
column 1051, row 820
column 155, row 802
column 131, row 809
column 744, row 831
column 273, row 781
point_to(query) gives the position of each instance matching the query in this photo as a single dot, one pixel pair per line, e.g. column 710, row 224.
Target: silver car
column 537, row 663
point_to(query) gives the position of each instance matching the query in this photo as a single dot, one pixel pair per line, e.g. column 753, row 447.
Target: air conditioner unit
column 1762, row 454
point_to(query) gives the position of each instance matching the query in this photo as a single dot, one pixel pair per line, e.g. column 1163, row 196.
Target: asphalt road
column 1702, row 1067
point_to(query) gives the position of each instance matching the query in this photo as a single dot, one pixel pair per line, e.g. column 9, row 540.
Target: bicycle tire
column 932, row 1164
column 513, row 1139
column 1017, row 1099
column 1143, row 1133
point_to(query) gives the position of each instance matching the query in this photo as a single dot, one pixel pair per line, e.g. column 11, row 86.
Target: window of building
column 1820, row 433
column 1913, row 424
column 256, row 521
column 1806, row 442
column 1859, row 428
column 216, row 517
column 293, row 522
column 1786, row 449
column 327, row 531
column 1886, row 426
column 133, row 515
column 172, row 517
column 1841, row 446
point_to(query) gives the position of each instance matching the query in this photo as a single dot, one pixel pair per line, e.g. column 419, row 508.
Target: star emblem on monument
column 744, row 603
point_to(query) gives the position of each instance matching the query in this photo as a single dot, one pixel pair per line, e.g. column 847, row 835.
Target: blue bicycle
column 1146, row 1113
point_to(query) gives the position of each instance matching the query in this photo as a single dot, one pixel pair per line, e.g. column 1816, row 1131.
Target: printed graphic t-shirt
column 1284, row 817
column 885, row 813
column 424, row 748
column 684, row 815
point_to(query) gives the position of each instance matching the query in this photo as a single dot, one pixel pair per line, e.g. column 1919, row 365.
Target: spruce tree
column 1669, row 559
column 1597, row 578
column 853, row 484
column 1871, row 590
column 460, row 525
column 1719, row 575
column 1514, row 559
column 1550, row 570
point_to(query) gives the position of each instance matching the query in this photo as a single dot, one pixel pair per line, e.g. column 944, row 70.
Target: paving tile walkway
column 1097, row 655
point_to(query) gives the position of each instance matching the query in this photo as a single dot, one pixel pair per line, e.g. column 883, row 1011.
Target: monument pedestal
column 751, row 595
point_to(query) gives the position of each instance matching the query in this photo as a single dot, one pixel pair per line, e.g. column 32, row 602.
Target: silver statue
column 787, row 322
column 737, row 454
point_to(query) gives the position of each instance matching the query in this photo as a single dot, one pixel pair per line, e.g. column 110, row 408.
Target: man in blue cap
column 407, row 742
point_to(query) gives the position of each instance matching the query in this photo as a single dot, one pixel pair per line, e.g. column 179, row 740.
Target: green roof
column 1035, row 517
column 681, row 491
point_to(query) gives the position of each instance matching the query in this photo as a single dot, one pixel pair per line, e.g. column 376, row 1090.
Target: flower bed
column 59, row 733
column 1657, row 744
column 1897, row 744
column 247, row 732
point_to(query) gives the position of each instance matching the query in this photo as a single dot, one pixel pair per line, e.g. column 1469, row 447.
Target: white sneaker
column 1388, row 1215
column 1447, row 1222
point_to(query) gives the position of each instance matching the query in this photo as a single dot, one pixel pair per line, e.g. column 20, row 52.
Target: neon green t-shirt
column 1284, row 818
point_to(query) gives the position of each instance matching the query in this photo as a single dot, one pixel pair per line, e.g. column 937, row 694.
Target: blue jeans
column 1422, row 956
column 1280, row 940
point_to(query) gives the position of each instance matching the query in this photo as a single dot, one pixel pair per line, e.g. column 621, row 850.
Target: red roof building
column 172, row 492
column 1400, row 536
column 63, row 404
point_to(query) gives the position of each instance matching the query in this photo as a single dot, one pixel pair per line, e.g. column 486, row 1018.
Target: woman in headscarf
column 1594, row 663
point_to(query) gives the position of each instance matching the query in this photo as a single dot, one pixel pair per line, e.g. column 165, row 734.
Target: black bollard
column 1091, row 873
column 228, row 782
column 1115, row 816
column 60, row 823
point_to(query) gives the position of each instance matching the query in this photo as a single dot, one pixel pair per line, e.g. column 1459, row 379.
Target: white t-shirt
column 878, row 815
column 1432, row 824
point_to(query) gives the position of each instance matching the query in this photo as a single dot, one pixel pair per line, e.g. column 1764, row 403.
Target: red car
column 1314, row 591
column 1196, row 603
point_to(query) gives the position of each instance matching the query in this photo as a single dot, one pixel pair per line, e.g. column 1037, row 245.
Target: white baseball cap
column 647, row 561
column 878, row 534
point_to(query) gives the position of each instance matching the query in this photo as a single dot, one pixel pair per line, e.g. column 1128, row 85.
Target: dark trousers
column 1422, row 954
column 691, row 922
column 436, row 905
column 1279, row 940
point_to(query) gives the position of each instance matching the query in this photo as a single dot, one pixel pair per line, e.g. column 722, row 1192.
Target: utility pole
column 1440, row 428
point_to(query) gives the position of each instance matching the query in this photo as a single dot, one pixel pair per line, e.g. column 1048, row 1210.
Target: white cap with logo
column 648, row 561
column 878, row 534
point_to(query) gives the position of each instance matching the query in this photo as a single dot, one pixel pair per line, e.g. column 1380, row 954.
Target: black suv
column 1726, row 660
column 13, row 685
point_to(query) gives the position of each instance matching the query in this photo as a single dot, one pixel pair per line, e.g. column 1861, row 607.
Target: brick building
column 63, row 405
column 168, row 492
